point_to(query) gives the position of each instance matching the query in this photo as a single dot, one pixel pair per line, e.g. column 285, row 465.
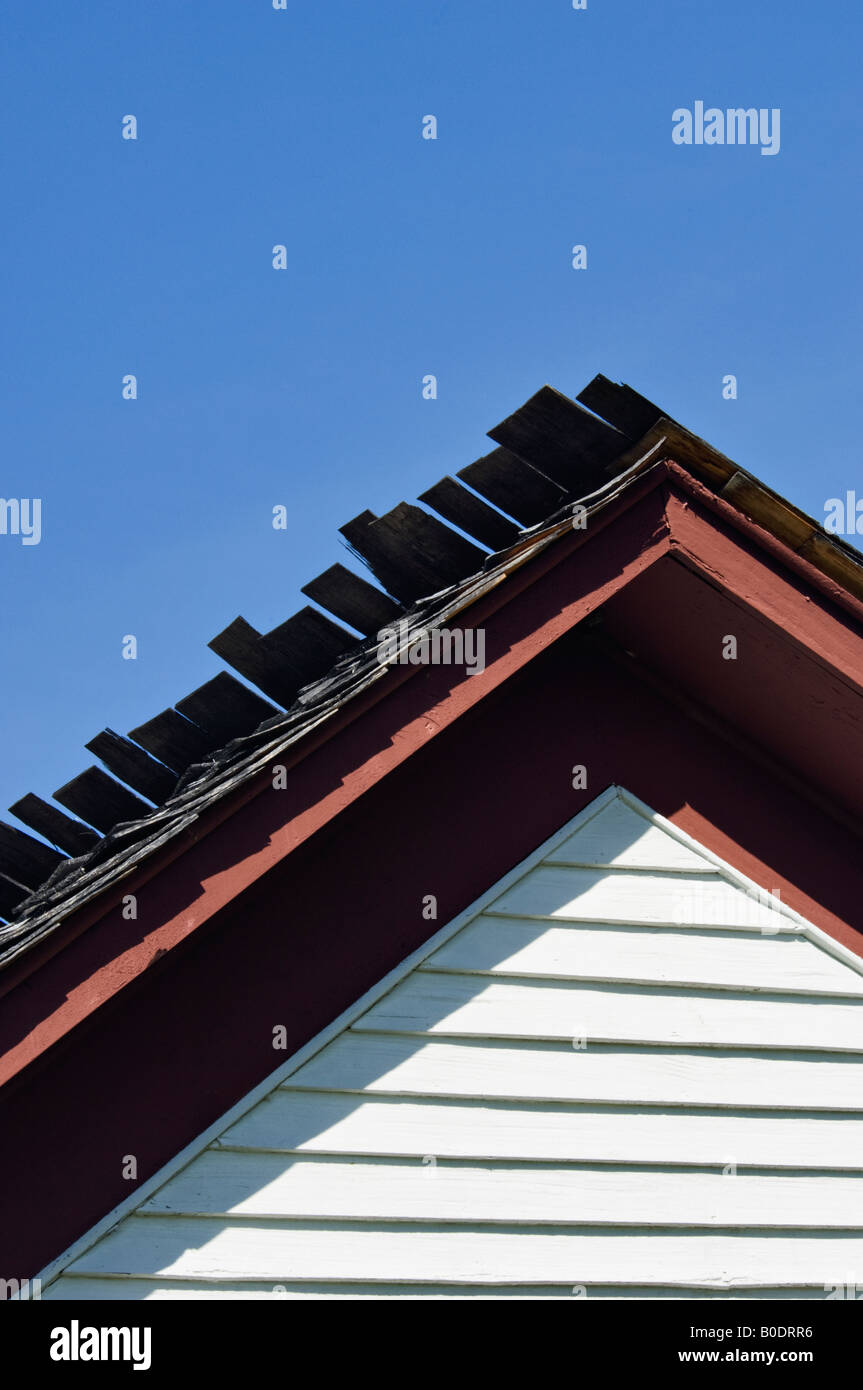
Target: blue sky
column 405, row 257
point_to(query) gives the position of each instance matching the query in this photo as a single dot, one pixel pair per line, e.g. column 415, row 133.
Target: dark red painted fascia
column 795, row 569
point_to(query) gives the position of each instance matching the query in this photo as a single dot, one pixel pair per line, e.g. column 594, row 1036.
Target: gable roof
column 562, row 1090
column 553, row 457
column 604, row 649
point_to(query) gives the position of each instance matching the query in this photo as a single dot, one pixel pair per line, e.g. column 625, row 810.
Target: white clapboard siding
column 645, row 955
column 332, row 1123
column 615, row 895
column 188, row 1290
column 203, row 1247
column 619, row 837
column 463, row 1006
column 638, row 1076
column 619, row 1075
column 223, row 1183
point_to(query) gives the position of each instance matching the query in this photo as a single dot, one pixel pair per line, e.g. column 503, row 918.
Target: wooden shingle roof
column 552, row 455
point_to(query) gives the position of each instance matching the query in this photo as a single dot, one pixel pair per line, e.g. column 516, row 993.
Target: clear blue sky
column 406, row 256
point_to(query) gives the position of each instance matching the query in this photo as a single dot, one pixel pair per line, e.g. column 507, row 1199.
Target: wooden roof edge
column 830, row 554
